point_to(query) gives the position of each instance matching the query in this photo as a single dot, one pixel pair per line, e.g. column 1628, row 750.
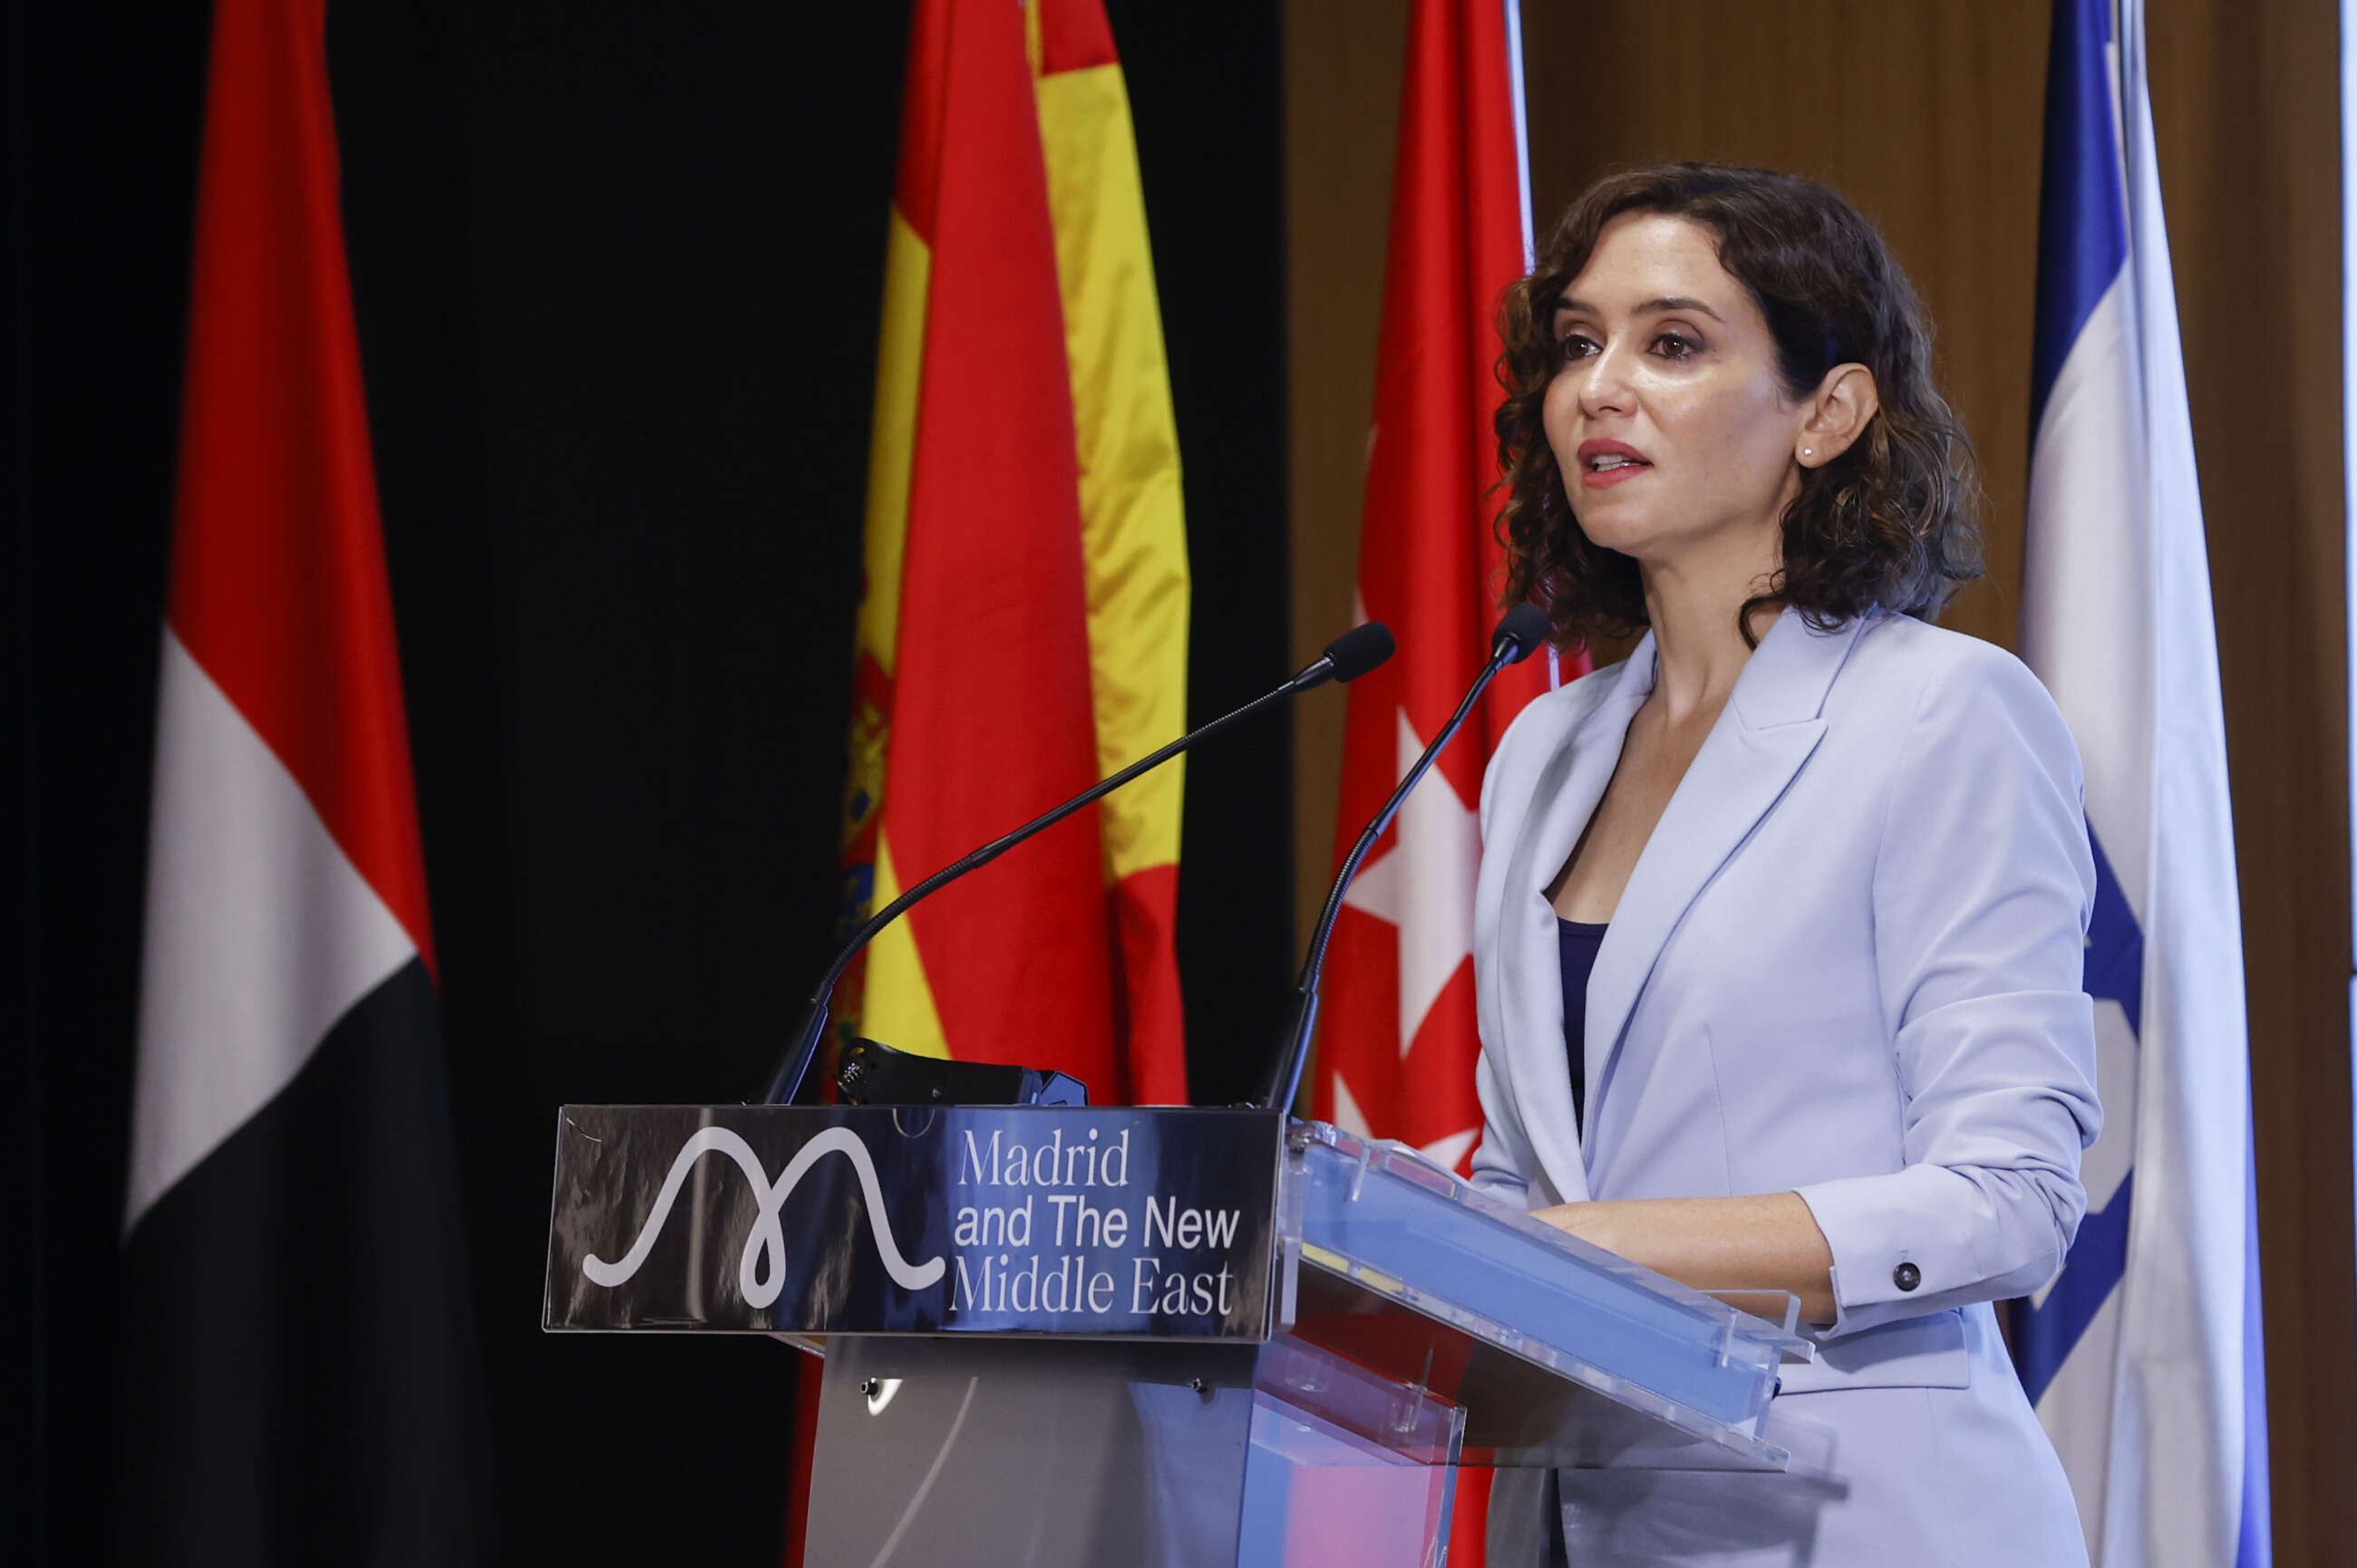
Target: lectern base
column 1123, row 1454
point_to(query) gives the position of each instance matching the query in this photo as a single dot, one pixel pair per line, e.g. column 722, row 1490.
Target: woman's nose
column 1605, row 388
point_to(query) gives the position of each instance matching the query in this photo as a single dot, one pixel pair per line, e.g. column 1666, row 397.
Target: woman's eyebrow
column 1677, row 302
column 1663, row 306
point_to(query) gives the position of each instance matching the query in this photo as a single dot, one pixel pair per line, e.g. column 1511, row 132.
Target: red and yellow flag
column 1023, row 629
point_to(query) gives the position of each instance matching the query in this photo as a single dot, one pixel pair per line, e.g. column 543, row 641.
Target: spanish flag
column 1023, row 628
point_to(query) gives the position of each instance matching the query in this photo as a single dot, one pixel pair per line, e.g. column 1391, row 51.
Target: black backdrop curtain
column 616, row 270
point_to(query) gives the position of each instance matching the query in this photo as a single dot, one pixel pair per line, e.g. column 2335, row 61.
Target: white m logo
column 767, row 1241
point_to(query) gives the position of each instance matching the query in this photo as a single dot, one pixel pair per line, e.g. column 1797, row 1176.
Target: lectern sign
column 878, row 1219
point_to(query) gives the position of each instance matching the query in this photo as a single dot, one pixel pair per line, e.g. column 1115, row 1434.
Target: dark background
column 617, row 271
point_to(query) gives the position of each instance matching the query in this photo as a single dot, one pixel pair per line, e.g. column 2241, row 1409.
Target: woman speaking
column 1778, row 929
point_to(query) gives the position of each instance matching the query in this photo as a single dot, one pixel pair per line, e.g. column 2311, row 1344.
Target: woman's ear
column 1837, row 415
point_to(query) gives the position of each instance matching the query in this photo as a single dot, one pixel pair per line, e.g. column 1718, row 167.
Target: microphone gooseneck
column 1346, row 658
column 1518, row 635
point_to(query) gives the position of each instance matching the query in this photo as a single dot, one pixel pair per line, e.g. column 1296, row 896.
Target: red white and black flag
column 303, row 1372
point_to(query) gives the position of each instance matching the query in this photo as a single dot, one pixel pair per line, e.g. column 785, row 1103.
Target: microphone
column 1346, row 658
column 1523, row 630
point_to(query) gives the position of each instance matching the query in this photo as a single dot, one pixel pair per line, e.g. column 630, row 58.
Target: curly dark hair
column 1892, row 521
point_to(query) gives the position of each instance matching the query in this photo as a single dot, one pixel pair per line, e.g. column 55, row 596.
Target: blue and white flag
column 2144, row 1356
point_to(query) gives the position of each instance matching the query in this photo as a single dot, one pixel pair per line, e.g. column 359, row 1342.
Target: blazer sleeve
column 1502, row 1159
column 1983, row 885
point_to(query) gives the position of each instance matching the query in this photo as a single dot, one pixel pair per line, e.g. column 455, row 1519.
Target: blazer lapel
column 1771, row 726
column 1563, row 797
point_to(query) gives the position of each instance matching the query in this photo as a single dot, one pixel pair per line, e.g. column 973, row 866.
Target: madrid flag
column 1397, row 1042
column 2144, row 1355
column 301, row 1364
column 1023, row 628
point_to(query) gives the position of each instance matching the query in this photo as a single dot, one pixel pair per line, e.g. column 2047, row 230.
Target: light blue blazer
column 1847, row 964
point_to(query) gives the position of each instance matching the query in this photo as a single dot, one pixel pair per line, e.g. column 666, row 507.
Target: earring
column 1808, row 451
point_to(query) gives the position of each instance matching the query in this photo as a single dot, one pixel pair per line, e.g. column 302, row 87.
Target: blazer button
column 1906, row 1276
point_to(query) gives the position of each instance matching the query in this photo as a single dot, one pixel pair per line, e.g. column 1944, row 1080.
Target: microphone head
column 1360, row 649
column 1520, row 634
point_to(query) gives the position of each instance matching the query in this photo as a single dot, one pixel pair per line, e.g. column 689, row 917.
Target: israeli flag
column 2144, row 1356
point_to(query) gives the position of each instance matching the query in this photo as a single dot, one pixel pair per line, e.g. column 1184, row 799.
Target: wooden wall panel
column 1342, row 99
column 1928, row 116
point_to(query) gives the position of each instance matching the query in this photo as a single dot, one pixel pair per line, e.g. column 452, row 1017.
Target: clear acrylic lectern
column 1086, row 1336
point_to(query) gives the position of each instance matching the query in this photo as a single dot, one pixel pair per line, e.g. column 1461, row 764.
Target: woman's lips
column 1600, row 479
column 1620, row 461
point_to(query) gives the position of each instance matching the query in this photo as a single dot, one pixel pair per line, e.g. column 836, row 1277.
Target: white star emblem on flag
column 1423, row 886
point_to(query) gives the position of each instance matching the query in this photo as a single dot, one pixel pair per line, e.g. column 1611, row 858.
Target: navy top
column 1578, row 942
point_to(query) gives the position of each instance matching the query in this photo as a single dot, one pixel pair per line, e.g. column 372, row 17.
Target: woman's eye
column 1574, row 345
column 1676, row 346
